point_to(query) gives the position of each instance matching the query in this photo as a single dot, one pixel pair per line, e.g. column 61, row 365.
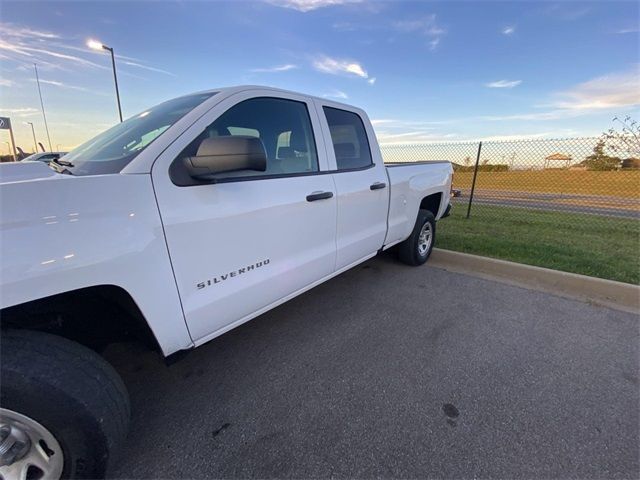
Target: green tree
column 625, row 139
column 599, row 160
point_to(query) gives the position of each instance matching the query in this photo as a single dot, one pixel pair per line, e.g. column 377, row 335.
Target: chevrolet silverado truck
column 171, row 228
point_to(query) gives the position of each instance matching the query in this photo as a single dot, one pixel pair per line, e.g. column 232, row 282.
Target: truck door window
column 349, row 138
column 283, row 126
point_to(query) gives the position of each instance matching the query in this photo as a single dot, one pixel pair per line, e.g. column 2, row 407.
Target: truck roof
column 241, row 88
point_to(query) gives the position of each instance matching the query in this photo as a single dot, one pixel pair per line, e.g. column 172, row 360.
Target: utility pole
column 44, row 117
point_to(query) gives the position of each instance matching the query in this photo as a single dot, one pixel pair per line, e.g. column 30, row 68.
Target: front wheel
column 63, row 409
column 416, row 249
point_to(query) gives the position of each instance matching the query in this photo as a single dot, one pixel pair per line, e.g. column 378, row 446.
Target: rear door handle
column 378, row 186
column 319, row 196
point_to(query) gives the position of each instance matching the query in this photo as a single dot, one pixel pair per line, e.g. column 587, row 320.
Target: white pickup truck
column 173, row 227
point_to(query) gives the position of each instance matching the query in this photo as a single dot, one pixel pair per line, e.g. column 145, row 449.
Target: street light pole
column 115, row 78
column 100, row 46
column 35, row 142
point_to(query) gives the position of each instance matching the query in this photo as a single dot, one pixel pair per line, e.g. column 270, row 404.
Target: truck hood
column 57, row 231
column 24, row 171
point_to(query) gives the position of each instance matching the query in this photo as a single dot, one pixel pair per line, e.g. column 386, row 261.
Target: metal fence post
column 473, row 183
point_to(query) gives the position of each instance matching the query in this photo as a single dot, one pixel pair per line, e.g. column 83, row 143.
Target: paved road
column 559, row 202
column 391, row 371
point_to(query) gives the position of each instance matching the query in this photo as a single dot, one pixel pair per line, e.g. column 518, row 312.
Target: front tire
column 63, row 407
column 416, row 249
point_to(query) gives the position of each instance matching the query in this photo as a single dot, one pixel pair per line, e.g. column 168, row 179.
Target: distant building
column 630, row 164
column 557, row 158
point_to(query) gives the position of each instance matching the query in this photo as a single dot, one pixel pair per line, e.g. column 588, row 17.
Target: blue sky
column 424, row 71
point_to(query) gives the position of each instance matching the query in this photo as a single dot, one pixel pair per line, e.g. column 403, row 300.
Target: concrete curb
column 617, row 295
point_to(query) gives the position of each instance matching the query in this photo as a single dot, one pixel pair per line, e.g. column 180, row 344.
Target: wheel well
column 431, row 203
column 94, row 316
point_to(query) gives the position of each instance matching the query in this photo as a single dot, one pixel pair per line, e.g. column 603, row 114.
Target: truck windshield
column 113, row 149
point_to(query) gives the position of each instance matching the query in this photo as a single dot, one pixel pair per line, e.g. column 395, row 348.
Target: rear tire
column 70, row 391
column 416, row 249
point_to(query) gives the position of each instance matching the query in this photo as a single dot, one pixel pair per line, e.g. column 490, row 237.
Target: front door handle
column 319, row 196
column 378, row 186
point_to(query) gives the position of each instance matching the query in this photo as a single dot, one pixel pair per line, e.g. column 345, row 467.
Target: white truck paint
column 199, row 260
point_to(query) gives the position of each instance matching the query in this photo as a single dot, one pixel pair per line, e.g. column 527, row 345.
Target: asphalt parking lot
column 390, row 371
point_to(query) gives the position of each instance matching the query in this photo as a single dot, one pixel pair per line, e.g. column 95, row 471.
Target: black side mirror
column 227, row 154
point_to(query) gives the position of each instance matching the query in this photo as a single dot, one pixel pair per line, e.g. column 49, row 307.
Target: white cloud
column 386, row 138
column 20, row 112
column 509, row 30
column 335, row 66
column 4, row 82
column 624, row 31
column 508, row 138
column 64, row 56
column 372, row 80
column 309, row 5
column 8, row 29
column 51, row 82
column 85, row 49
column 59, row 84
column 146, row 67
column 566, row 11
column 426, row 26
column 15, row 48
column 25, row 46
column 336, row 94
column 381, row 121
column 277, row 68
column 551, row 115
column 615, row 90
column 18, row 42
column 425, row 125
column 503, row 84
column 392, row 131
column 344, row 26
column 613, row 93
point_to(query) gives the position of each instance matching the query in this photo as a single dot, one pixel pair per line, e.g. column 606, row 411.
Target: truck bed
column 409, row 184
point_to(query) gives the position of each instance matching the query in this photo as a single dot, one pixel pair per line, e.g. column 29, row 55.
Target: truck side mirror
column 226, row 154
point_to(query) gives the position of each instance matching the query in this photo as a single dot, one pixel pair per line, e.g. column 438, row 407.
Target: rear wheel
column 416, row 249
column 64, row 411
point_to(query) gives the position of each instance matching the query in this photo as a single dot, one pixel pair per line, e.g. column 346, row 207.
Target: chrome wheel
column 27, row 449
column 424, row 239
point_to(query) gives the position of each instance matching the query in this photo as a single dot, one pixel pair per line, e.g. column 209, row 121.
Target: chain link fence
column 560, row 195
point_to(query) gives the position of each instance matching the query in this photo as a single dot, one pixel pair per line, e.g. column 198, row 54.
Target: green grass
column 592, row 245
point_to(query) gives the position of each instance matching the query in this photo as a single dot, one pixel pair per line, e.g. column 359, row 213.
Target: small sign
column 5, row 123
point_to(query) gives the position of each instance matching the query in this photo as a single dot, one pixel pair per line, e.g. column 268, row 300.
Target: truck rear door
column 250, row 239
column 361, row 182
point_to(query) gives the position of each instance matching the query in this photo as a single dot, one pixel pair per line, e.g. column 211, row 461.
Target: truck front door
column 249, row 240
